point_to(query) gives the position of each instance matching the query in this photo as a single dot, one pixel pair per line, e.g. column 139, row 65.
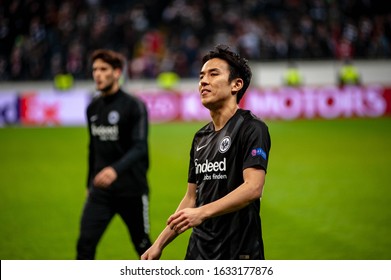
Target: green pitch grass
column 327, row 194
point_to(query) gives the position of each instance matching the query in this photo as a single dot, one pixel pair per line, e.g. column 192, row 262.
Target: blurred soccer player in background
column 228, row 163
column 118, row 159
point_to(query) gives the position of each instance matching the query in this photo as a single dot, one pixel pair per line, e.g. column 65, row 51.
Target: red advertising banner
column 279, row 103
column 53, row 109
column 49, row 108
column 174, row 106
column 322, row 102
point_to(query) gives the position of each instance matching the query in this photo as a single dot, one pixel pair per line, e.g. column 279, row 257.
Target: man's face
column 105, row 76
column 214, row 87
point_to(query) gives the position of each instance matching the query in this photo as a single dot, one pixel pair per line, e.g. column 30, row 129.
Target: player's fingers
column 102, row 179
column 174, row 218
column 182, row 229
column 175, row 223
column 99, row 178
column 181, row 226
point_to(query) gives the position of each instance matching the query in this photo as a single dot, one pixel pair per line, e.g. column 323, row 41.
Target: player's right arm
column 90, row 152
column 169, row 234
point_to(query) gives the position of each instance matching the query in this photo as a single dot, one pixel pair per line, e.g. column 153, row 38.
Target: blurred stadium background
column 328, row 189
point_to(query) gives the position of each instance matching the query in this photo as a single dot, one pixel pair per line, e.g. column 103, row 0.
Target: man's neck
column 110, row 91
column 221, row 116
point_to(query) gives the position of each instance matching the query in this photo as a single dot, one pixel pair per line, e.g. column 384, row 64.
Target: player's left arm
column 250, row 190
column 139, row 135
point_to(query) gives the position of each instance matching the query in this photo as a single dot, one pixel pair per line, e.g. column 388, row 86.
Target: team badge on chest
column 225, row 144
column 113, row 117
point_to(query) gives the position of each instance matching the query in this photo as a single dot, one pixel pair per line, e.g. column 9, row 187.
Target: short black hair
column 115, row 59
column 238, row 65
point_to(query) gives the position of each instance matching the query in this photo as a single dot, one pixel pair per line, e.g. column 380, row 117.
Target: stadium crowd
column 40, row 39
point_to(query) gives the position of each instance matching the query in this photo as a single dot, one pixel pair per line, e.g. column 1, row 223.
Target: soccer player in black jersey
column 228, row 163
column 118, row 159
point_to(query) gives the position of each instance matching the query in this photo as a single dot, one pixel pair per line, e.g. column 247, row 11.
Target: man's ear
column 117, row 73
column 236, row 85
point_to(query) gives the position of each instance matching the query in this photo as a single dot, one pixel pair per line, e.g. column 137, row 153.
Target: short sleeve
column 256, row 144
column 191, row 172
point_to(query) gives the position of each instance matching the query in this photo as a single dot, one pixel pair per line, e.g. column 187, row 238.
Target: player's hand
column 153, row 253
column 185, row 219
column 105, row 177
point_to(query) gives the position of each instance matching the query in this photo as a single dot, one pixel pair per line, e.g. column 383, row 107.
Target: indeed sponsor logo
column 210, row 166
column 105, row 133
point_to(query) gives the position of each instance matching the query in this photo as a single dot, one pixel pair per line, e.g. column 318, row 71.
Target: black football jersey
column 118, row 129
column 217, row 161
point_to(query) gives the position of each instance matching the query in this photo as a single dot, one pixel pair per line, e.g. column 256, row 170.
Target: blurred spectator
column 349, row 75
column 16, row 60
column 3, row 69
column 292, row 76
column 37, row 37
column 75, row 59
column 63, row 81
column 167, row 80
